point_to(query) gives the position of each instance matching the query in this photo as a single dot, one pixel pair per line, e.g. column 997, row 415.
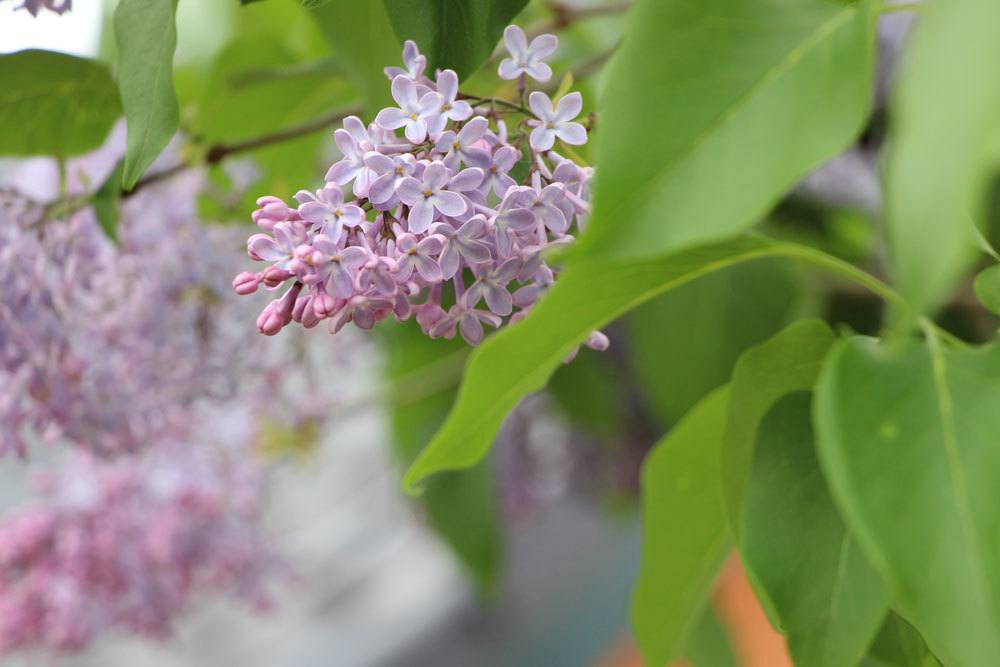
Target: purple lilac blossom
column 438, row 218
column 57, row 6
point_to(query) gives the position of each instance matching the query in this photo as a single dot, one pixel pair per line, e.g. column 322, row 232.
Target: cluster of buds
column 438, row 227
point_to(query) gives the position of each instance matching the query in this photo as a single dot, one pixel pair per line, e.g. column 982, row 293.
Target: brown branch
column 219, row 152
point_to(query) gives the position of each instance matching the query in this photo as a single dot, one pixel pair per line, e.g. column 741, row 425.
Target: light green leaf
column 461, row 506
column 789, row 362
column 828, row 599
column 987, row 288
column 898, row 644
column 455, row 34
column 708, row 644
column 683, row 344
column 146, row 37
column 713, row 110
column 588, row 295
column 949, row 93
column 362, row 37
column 908, row 441
column 685, row 537
column 54, row 104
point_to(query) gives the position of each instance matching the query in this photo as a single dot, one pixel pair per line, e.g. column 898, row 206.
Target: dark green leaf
column 987, row 288
column 361, row 35
column 146, row 37
column 828, row 599
column 908, row 443
column 54, row 104
column 939, row 158
column 684, row 343
column 898, row 644
column 461, row 506
column 587, row 295
column 685, row 537
column 455, row 34
column 788, row 362
column 708, row 645
column 713, row 111
column 107, row 200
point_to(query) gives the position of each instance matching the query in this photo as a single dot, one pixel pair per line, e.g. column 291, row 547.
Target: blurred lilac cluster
column 128, row 357
column 57, row 6
column 438, row 228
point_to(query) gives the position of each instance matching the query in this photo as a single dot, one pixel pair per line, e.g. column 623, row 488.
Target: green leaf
column 683, row 344
column 713, row 111
column 685, row 537
column 461, row 506
column 987, row 288
column 591, row 392
column 828, row 599
column 708, row 645
column 146, row 37
column 789, row 362
column 908, row 442
column 938, row 160
column 455, row 34
column 898, row 644
column 361, row 35
column 107, row 200
column 54, row 104
column 588, row 295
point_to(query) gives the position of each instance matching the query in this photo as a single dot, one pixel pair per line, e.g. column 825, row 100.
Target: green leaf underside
column 987, row 287
column 54, row 104
column 939, row 161
column 461, row 507
column 712, row 112
column 588, row 295
column 685, row 536
column 146, row 37
column 454, row 34
column 907, row 439
column 789, row 362
column 829, row 600
column 696, row 333
column 107, row 200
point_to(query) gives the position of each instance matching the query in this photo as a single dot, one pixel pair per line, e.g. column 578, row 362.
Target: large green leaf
column 146, row 37
column 457, row 34
column 789, row 362
column 947, row 105
column 685, row 536
column 713, row 110
column 362, row 37
column 460, row 506
column 684, row 343
column 828, row 599
column 54, row 104
column 908, row 442
column 587, row 295
column 708, row 645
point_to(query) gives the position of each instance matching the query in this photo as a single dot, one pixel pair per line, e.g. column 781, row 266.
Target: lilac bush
column 438, row 228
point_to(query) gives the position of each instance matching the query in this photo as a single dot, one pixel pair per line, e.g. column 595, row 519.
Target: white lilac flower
column 327, row 212
column 527, row 58
column 418, row 105
column 556, row 123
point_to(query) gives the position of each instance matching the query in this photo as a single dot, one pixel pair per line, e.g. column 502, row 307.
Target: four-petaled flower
column 463, row 242
column 279, row 248
column 351, row 167
column 337, row 266
column 470, row 323
column 417, row 105
column 556, row 122
column 328, row 212
column 466, row 146
column 497, row 178
column 392, row 171
column 451, row 108
column 525, row 58
column 419, row 256
column 414, row 61
column 437, row 190
column 492, row 286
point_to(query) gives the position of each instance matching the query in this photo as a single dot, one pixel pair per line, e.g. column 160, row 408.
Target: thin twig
column 218, row 152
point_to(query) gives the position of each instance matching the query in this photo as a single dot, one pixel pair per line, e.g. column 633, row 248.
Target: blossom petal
column 416, row 130
column 541, row 106
column 421, row 216
column 428, row 269
column 342, row 172
column 340, row 281
column 382, row 189
column 498, row 299
column 542, row 138
column 509, row 70
column 569, row 107
column 543, row 46
column 435, row 176
column 265, row 247
column 515, row 41
column 572, row 133
column 467, row 179
column 449, row 203
column 391, row 118
column 449, row 260
column 447, row 84
column 410, row 191
column 539, row 71
column 471, row 328
column 352, row 215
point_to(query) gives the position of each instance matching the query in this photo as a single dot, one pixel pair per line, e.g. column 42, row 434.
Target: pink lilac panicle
column 437, row 217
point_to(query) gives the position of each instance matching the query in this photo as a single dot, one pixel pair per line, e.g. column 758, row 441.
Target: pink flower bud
column 597, row 341
column 246, row 283
column 270, row 321
column 323, row 305
column 272, row 211
column 273, row 276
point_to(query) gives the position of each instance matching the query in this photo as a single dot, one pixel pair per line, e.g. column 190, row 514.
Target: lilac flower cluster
column 123, row 545
column 122, row 354
column 438, row 228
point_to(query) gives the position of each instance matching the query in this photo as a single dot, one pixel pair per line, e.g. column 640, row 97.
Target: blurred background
column 525, row 562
